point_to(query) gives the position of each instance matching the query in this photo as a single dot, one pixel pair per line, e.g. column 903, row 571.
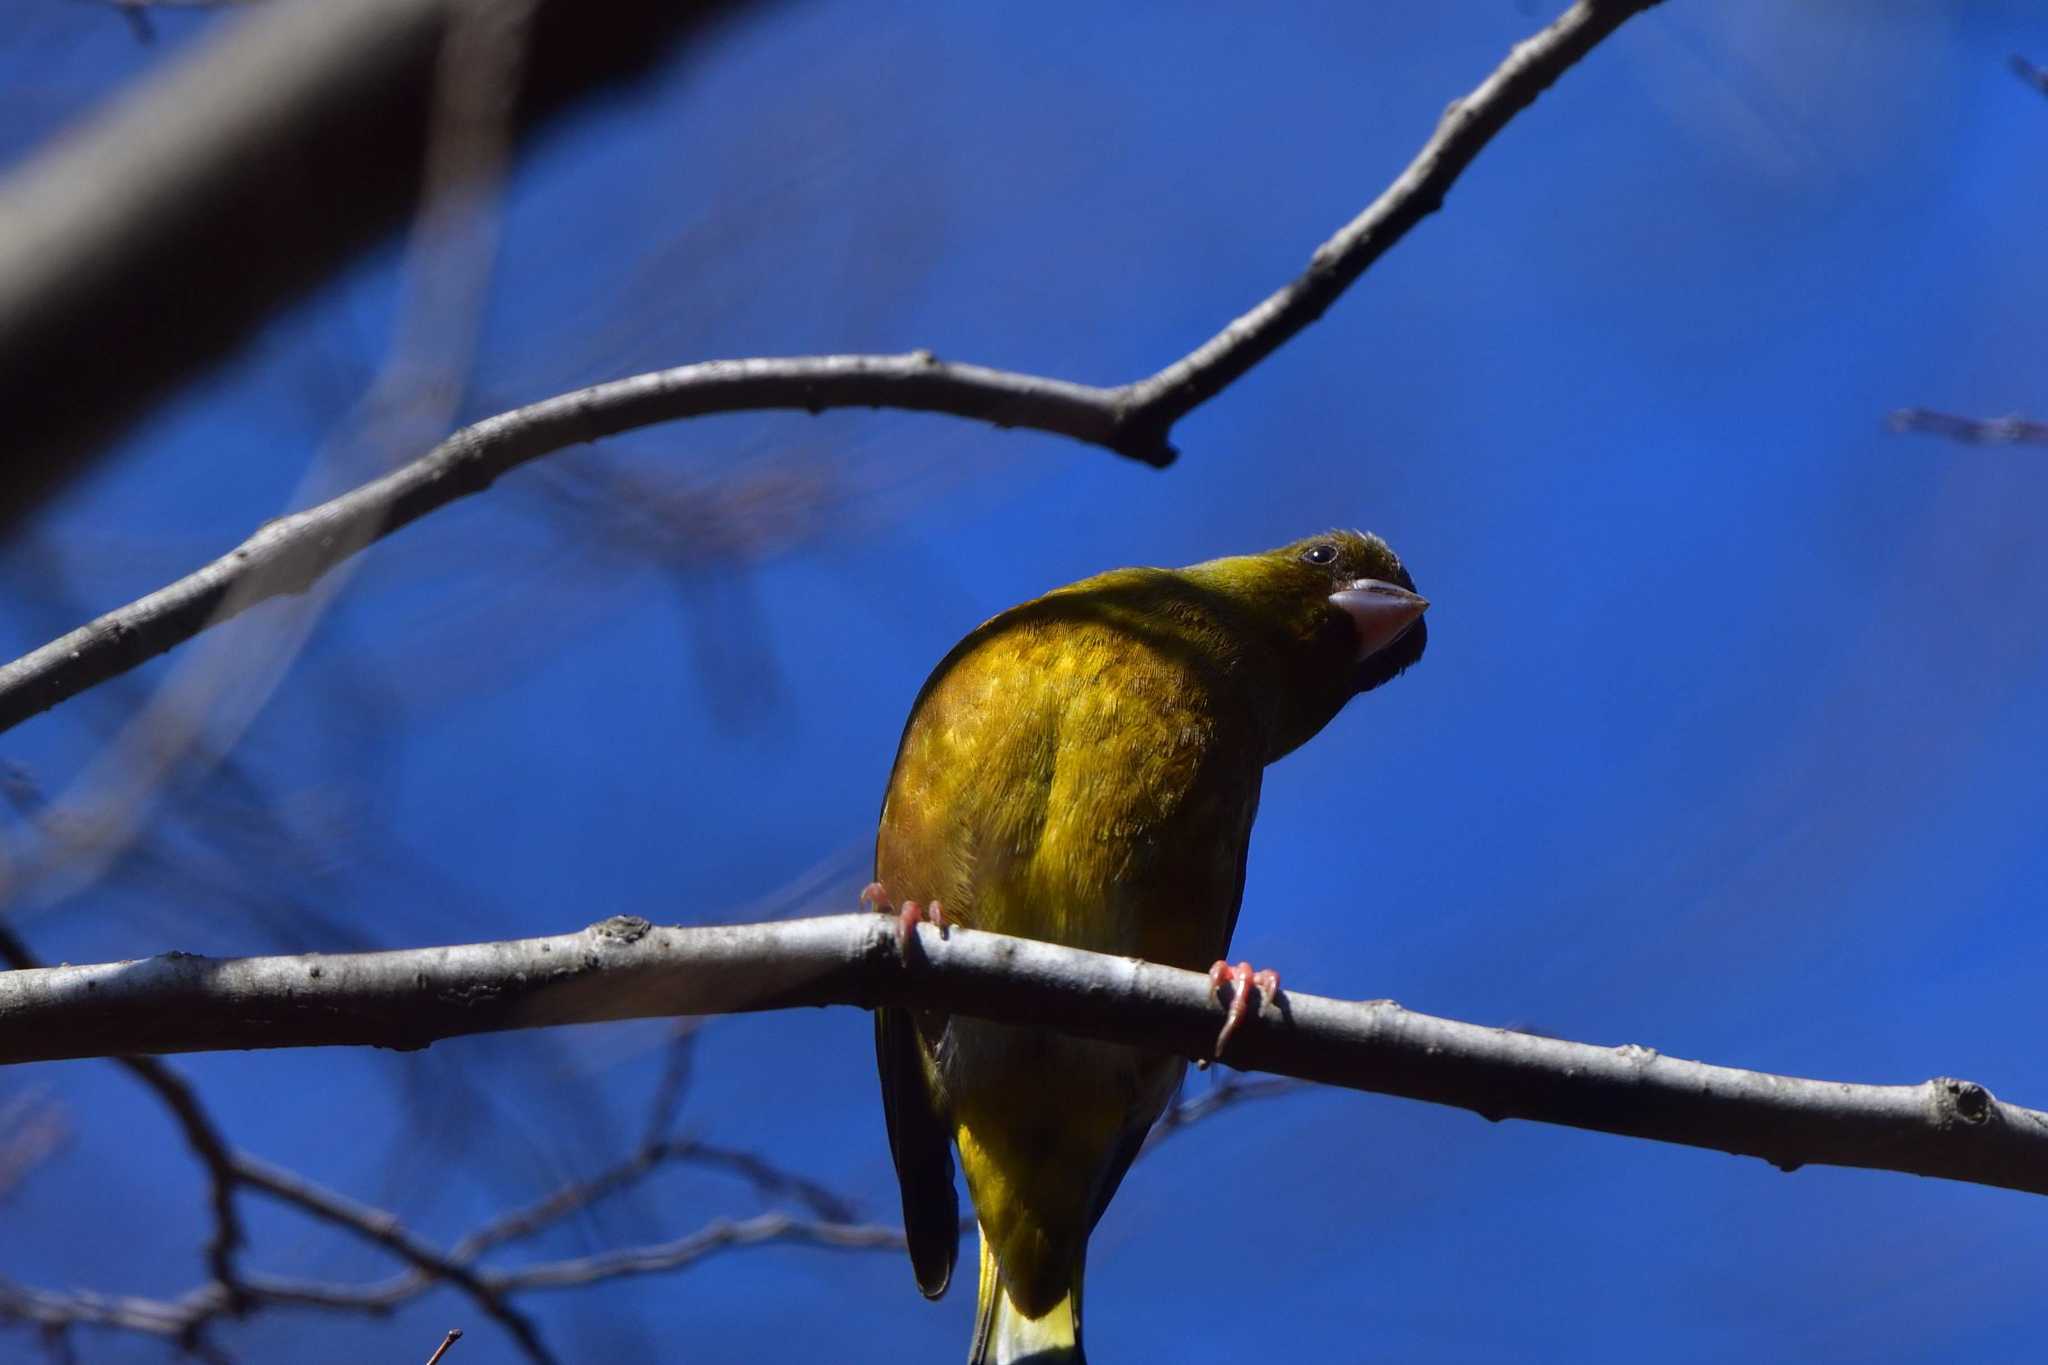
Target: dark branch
column 1133, row 420
column 625, row 968
column 1463, row 131
column 176, row 1319
column 384, row 1230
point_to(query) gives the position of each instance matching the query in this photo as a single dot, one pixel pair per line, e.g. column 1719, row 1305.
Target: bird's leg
column 908, row 916
column 1241, row 978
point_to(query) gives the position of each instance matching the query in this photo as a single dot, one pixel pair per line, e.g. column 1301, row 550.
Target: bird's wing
column 922, row 1145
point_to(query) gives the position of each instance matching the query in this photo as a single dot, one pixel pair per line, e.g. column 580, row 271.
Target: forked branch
column 1134, row 419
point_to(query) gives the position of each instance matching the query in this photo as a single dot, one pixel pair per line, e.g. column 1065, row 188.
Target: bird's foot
column 908, row 915
column 1240, row 979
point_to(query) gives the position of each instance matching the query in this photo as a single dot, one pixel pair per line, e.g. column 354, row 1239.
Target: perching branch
column 625, row 968
column 1132, row 419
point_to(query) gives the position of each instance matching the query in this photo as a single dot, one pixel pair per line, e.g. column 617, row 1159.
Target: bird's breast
column 1076, row 786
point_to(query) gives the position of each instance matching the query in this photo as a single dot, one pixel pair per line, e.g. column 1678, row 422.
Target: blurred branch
column 1227, row 1093
column 2013, row 430
column 151, row 242
column 136, row 12
column 201, row 1134
column 384, row 1230
column 833, row 1225
column 32, row 1128
column 218, row 689
column 173, row 1318
column 765, row 1177
column 2031, row 74
column 625, row 968
column 186, row 1318
column 290, row 554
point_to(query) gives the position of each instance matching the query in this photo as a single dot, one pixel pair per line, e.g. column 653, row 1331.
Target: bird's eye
column 1320, row 555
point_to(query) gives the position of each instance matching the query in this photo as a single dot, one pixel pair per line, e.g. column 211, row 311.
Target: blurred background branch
column 2033, row 75
column 290, row 554
column 153, row 242
column 1982, row 431
column 2012, row 429
column 829, row 1221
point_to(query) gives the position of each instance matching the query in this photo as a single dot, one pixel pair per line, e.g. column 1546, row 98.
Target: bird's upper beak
column 1380, row 612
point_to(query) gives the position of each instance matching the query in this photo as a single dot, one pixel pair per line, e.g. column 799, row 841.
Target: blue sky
column 1728, row 741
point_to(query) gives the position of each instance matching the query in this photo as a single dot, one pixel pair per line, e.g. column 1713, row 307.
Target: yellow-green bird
column 1084, row 769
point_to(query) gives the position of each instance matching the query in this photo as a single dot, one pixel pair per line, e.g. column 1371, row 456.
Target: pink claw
column 908, row 916
column 1241, row 979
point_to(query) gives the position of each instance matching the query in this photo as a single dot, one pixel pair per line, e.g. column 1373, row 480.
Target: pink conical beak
column 1380, row 612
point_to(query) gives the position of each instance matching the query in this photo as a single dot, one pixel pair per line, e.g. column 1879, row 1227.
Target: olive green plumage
column 1084, row 769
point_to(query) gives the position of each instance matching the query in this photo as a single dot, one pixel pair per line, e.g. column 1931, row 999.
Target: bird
column 1084, row 769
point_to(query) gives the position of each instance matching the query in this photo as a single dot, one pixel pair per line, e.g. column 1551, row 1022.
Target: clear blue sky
column 1729, row 741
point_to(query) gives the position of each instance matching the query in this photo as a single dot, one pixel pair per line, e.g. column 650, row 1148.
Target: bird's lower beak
column 1380, row 612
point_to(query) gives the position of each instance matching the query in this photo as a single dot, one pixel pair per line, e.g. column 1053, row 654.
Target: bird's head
column 1338, row 615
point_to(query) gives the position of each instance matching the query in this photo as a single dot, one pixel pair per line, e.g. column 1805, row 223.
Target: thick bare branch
column 150, row 242
column 626, row 968
column 1133, row 419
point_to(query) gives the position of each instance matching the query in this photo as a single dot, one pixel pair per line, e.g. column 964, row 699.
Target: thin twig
column 626, row 968
column 32, row 1128
column 1233, row 1090
column 200, row 1132
column 54, row 1314
column 764, row 1176
column 722, row 1235
column 1461, row 133
column 1134, row 420
column 675, row 1081
column 385, row 1230
column 177, row 1319
column 1983, row 431
column 454, row 1335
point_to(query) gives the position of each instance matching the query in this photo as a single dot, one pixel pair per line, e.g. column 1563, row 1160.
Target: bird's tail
column 1003, row 1335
